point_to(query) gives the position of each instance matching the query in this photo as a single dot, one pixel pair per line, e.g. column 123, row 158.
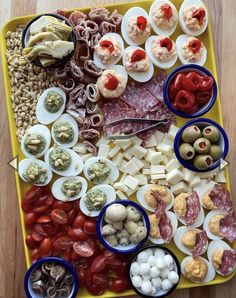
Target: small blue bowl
column 186, row 68
column 201, row 123
column 28, row 289
column 119, row 248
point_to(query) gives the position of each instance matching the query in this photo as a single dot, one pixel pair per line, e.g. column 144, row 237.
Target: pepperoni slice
column 195, row 45
column 166, row 43
column 84, row 248
column 167, row 11
column 138, row 55
column 141, row 23
column 107, row 44
column 112, row 82
column 201, row 242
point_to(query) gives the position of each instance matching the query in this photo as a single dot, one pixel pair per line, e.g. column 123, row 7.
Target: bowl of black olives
column 200, row 145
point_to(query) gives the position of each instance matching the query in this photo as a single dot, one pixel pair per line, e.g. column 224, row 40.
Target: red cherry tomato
column 71, row 215
column 41, row 201
column 119, row 285
column 30, row 242
column 206, row 83
column 50, row 229
column 40, row 209
column 62, row 205
column 39, row 228
column 195, row 45
column 167, row 11
column 107, row 44
column 122, row 270
column 112, row 82
column 59, row 216
column 184, row 99
column 81, row 276
column 77, row 234
column 203, row 97
column 36, row 236
column 166, row 43
column 178, row 81
column 33, row 194
column 44, row 219
column 78, row 221
column 172, row 92
column 199, row 14
column 45, row 247
column 84, row 248
column 30, row 218
column 114, row 263
column 90, row 226
column 98, row 264
column 26, row 207
column 74, row 256
column 63, row 243
column 98, row 285
column 50, row 200
column 67, row 254
column 35, row 255
column 138, row 55
column 191, row 81
column 141, row 23
column 109, row 254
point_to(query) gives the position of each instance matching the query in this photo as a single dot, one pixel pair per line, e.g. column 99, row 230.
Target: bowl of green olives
column 200, row 144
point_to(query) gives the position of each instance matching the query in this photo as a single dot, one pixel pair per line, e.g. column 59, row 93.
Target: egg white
column 141, row 77
column 42, row 115
column 96, row 58
column 155, row 5
column 74, row 169
column 185, row 5
column 24, row 164
column 140, row 197
column 110, row 196
column 203, row 188
column 209, row 216
column 120, row 70
column 210, row 272
column 40, row 130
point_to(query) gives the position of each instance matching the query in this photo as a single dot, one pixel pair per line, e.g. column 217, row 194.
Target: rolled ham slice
column 106, row 27
column 89, row 134
column 76, row 71
column 92, row 108
column 97, row 120
column 76, row 18
column 67, row 85
column 98, row 14
column 92, row 69
column 78, row 114
column 91, row 148
column 115, row 18
column 77, row 93
column 92, row 92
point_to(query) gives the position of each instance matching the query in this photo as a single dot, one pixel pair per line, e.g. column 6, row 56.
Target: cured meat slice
column 95, row 39
column 92, row 92
column 67, row 85
column 82, row 53
column 221, row 198
column 92, row 108
column 78, row 114
column 89, row 134
column 155, row 85
column 98, row 14
column 91, row 147
column 228, row 261
column 228, row 226
column 77, row 93
column 161, row 204
column 76, row 17
column 91, row 26
column 166, row 229
column 106, row 27
column 82, row 33
column 201, row 242
column 193, row 208
column 76, row 71
column 96, row 120
column 92, row 69
column 116, row 19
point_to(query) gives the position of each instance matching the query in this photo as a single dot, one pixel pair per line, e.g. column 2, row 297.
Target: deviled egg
column 50, row 105
column 212, row 224
column 137, row 64
column 36, row 141
column 204, row 187
column 163, row 17
column 100, row 170
column 193, row 17
column 35, row 171
column 191, row 50
column 135, row 27
column 64, row 161
column 69, row 188
column 96, row 198
column 65, row 131
column 162, row 51
column 109, row 50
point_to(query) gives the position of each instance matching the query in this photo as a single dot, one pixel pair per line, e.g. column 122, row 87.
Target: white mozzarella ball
column 146, row 287
column 156, row 282
column 160, row 263
column 164, row 273
column 159, row 253
column 154, row 272
column 173, row 277
column 168, row 260
column 137, row 281
column 149, row 251
column 146, row 277
column 152, row 261
column 134, row 269
column 144, row 269
column 142, row 257
column 166, row 285
column 154, row 290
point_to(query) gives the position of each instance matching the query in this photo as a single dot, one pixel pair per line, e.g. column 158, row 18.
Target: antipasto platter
column 115, row 115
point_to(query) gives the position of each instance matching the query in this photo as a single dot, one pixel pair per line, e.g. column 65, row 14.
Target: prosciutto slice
column 193, row 208
column 95, row 39
column 76, row 18
column 91, row 26
column 221, row 198
column 89, row 134
column 77, row 93
column 115, row 18
column 92, row 108
column 106, row 27
column 76, row 71
column 91, row 148
column 228, row 226
column 98, row 14
column 82, row 33
column 82, row 53
column 96, row 120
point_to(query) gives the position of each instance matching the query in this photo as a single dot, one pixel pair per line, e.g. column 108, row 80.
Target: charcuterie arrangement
column 115, row 194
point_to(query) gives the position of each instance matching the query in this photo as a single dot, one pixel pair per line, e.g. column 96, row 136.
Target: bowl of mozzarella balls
column 154, row 271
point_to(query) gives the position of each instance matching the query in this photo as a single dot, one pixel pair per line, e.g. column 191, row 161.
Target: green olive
column 186, row 151
column 191, row 133
column 202, row 162
column 211, row 133
column 216, row 152
column 202, row 145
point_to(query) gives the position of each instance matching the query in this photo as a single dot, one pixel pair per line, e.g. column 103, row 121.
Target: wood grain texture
column 12, row 263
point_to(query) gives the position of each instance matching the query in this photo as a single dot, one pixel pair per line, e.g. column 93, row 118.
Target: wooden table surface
column 12, row 260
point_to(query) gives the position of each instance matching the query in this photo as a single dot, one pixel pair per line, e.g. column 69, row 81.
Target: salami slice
column 228, row 226
column 166, row 229
column 228, row 261
column 221, row 198
column 155, row 85
column 161, row 204
column 193, row 208
column 201, row 242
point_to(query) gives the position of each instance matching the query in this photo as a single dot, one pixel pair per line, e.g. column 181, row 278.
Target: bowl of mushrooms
column 123, row 226
column 51, row 277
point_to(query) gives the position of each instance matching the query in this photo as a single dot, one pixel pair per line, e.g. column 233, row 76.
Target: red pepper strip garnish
column 191, row 81
column 172, row 92
column 138, row 55
column 141, row 23
column 199, row 14
column 203, row 97
column 195, row 45
column 206, row 83
column 112, row 82
column 107, row 44
column 178, row 81
column 191, row 110
column 166, row 43
column 167, row 11
column 185, row 99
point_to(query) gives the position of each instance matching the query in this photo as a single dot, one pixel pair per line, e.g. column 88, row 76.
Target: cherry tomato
column 141, row 23
column 98, row 264
column 74, row 256
column 50, row 229
column 113, row 263
column 39, row 228
column 78, row 221
column 112, row 82
column 191, row 110
column 167, row 11
column 26, row 207
column 67, row 254
column 122, row 270
column 206, row 83
column 84, row 248
column 191, row 81
column 199, row 14
column 71, row 215
column 138, row 55
column 184, row 99
column 178, row 81
column 33, row 194
column 59, row 216
column 45, row 247
column 30, row 242
column 166, row 43
column 40, row 209
column 50, row 200
column 98, row 283
column 62, row 205
column 30, row 218
column 107, row 44
column 203, row 97
column 35, row 255
column 36, row 236
column 90, row 226
column 81, row 276
column 41, row 201
column 44, row 219
column 63, row 242
column 119, row 285
column 109, row 254
column 77, row 234
column 172, row 92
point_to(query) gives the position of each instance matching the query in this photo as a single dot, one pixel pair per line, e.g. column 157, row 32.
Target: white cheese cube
column 220, row 177
column 102, row 140
column 158, row 176
column 131, row 182
column 172, row 131
column 174, row 176
column 120, row 186
column 136, row 140
column 156, row 158
column 123, row 177
column 139, row 151
column 138, row 162
column 114, row 151
column 165, row 160
column 172, row 164
column 188, row 175
column 121, row 195
column 128, row 153
column 164, row 148
column 146, row 164
column 159, row 136
column 117, row 160
column 149, row 154
column 179, row 188
column 131, row 167
column 208, row 175
column 146, row 172
column 103, row 150
column 124, row 144
column 86, row 156
column 196, row 181
column 151, row 142
column 80, row 148
column 131, row 191
column 163, row 183
column 166, row 140
column 141, row 178
column 157, row 169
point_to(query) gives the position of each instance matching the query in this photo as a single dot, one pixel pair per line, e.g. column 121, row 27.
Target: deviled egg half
column 135, row 27
column 64, row 161
column 69, row 188
column 50, row 105
column 163, row 17
column 36, row 141
column 35, row 171
column 65, row 131
column 137, row 64
column 212, row 224
column 162, row 51
column 108, row 50
column 203, row 188
column 100, row 170
column 191, row 50
column 96, row 198
column 193, row 17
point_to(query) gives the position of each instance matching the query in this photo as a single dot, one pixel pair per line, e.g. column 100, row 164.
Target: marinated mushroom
column 116, row 212
column 112, row 240
column 108, row 230
column 133, row 213
column 123, row 237
column 139, row 235
column 118, row 225
column 130, row 226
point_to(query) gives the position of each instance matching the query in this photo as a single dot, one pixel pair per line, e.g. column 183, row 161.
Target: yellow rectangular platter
column 215, row 114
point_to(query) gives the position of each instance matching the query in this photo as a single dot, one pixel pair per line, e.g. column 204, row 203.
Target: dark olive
column 211, row 133
column 202, row 145
column 186, row 151
column 202, row 162
column 191, row 133
column 216, row 152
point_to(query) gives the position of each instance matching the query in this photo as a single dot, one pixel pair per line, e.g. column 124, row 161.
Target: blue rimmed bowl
column 201, row 123
column 27, row 283
column 184, row 69
column 121, row 248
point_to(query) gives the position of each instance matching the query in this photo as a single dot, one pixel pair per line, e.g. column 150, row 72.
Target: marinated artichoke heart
column 63, row 132
column 59, row 159
column 40, row 37
column 34, row 143
column 53, row 102
column 98, row 172
column 71, row 187
column 95, row 200
column 35, row 174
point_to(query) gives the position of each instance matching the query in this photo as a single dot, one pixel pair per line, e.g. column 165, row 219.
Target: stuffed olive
column 216, row 152
column 191, row 134
column 211, row 133
column 186, row 151
column 202, row 145
column 202, row 162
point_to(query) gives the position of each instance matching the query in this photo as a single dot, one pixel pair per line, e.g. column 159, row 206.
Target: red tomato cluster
column 60, row 229
column 188, row 92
